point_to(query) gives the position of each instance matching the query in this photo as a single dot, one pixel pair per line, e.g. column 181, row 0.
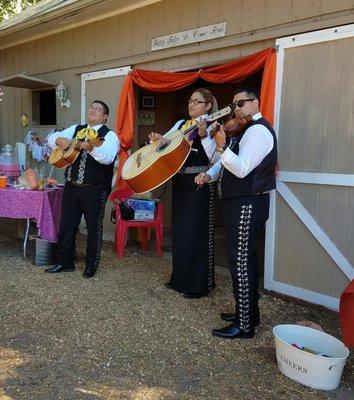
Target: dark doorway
column 170, row 107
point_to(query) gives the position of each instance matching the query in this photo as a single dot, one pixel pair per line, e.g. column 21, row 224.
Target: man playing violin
column 245, row 174
column 87, row 186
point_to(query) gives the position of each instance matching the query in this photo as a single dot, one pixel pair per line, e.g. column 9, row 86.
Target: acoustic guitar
column 61, row 158
column 154, row 164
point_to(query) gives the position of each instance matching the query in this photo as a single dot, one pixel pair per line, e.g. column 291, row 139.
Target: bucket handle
column 336, row 365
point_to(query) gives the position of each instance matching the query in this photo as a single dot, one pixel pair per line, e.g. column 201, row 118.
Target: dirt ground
column 123, row 335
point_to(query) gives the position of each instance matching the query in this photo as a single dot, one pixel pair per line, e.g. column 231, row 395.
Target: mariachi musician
column 246, row 173
column 193, row 210
column 87, row 186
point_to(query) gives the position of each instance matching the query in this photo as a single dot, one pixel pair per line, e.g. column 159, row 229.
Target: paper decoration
column 40, row 150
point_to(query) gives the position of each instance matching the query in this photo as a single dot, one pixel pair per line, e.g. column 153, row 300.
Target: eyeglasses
column 241, row 103
column 96, row 108
column 196, row 102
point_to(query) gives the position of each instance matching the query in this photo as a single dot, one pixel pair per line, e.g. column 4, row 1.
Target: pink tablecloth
column 43, row 206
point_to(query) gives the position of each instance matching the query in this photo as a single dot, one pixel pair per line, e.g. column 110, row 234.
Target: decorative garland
column 40, row 150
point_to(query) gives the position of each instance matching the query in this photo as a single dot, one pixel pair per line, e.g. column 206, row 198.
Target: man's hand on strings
column 155, row 137
column 202, row 125
column 86, row 146
column 63, row 143
column 220, row 137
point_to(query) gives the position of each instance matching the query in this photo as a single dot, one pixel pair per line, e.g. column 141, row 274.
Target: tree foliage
column 12, row 7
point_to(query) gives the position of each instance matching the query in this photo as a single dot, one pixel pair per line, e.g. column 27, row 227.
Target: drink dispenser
column 8, row 163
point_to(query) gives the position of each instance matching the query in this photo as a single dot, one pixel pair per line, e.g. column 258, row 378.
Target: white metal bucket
column 309, row 369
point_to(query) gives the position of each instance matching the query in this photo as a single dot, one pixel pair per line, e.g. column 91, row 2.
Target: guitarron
column 154, row 164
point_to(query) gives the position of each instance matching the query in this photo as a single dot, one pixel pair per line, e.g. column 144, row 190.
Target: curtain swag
column 159, row 81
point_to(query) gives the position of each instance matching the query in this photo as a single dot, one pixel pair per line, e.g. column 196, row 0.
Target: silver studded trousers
column 243, row 219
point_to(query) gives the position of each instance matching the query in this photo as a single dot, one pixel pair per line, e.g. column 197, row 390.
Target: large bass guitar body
column 154, row 164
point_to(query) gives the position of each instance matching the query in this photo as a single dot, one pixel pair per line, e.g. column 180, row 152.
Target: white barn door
column 310, row 233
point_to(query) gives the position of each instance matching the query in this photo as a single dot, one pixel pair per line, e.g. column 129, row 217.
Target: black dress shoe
column 230, row 317
column 194, row 295
column 232, row 332
column 60, row 268
column 89, row 273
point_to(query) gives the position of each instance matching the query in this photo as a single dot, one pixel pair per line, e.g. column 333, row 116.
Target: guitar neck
column 210, row 118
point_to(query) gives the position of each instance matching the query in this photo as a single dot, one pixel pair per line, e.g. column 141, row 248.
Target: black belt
column 193, row 170
column 80, row 184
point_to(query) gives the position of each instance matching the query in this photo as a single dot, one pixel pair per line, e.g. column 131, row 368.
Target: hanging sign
column 194, row 35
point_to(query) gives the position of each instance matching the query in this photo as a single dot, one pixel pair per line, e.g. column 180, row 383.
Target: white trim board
column 316, row 178
column 305, row 294
column 108, row 73
column 324, row 35
column 269, row 245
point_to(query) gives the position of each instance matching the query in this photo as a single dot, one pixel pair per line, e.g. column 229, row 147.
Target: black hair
column 250, row 92
column 104, row 105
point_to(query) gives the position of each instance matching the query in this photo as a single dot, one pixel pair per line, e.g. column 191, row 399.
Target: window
column 44, row 107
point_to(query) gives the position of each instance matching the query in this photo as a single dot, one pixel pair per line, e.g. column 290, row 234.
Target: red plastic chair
column 122, row 225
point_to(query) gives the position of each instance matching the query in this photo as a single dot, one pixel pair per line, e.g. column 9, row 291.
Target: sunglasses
column 241, row 103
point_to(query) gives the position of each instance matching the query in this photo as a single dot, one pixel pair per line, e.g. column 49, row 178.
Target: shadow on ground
column 122, row 335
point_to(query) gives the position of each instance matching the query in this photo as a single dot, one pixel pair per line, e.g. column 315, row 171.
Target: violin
column 234, row 126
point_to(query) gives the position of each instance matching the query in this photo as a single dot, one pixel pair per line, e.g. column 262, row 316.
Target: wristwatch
column 220, row 150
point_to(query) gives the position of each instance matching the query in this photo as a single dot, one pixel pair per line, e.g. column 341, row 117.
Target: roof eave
column 52, row 16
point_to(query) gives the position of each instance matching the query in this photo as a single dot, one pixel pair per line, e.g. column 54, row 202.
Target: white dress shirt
column 255, row 144
column 104, row 154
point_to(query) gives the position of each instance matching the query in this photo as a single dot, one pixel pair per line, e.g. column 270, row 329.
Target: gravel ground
column 122, row 335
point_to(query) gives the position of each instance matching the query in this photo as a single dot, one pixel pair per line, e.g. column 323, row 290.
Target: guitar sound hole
column 163, row 145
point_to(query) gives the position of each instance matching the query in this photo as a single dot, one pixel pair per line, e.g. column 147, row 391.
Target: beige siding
column 316, row 134
column 126, row 39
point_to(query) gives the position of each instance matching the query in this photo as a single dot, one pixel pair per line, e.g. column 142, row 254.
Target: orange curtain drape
column 158, row 81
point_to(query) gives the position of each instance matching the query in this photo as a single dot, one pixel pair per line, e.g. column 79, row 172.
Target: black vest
column 85, row 169
column 259, row 180
column 197, row 156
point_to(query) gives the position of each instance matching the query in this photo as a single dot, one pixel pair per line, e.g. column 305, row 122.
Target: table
column 42, row 205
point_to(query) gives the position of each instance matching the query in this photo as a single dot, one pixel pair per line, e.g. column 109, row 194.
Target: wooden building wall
column 126, row 39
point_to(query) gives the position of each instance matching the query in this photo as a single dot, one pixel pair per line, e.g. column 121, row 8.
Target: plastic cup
column 3, row 181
